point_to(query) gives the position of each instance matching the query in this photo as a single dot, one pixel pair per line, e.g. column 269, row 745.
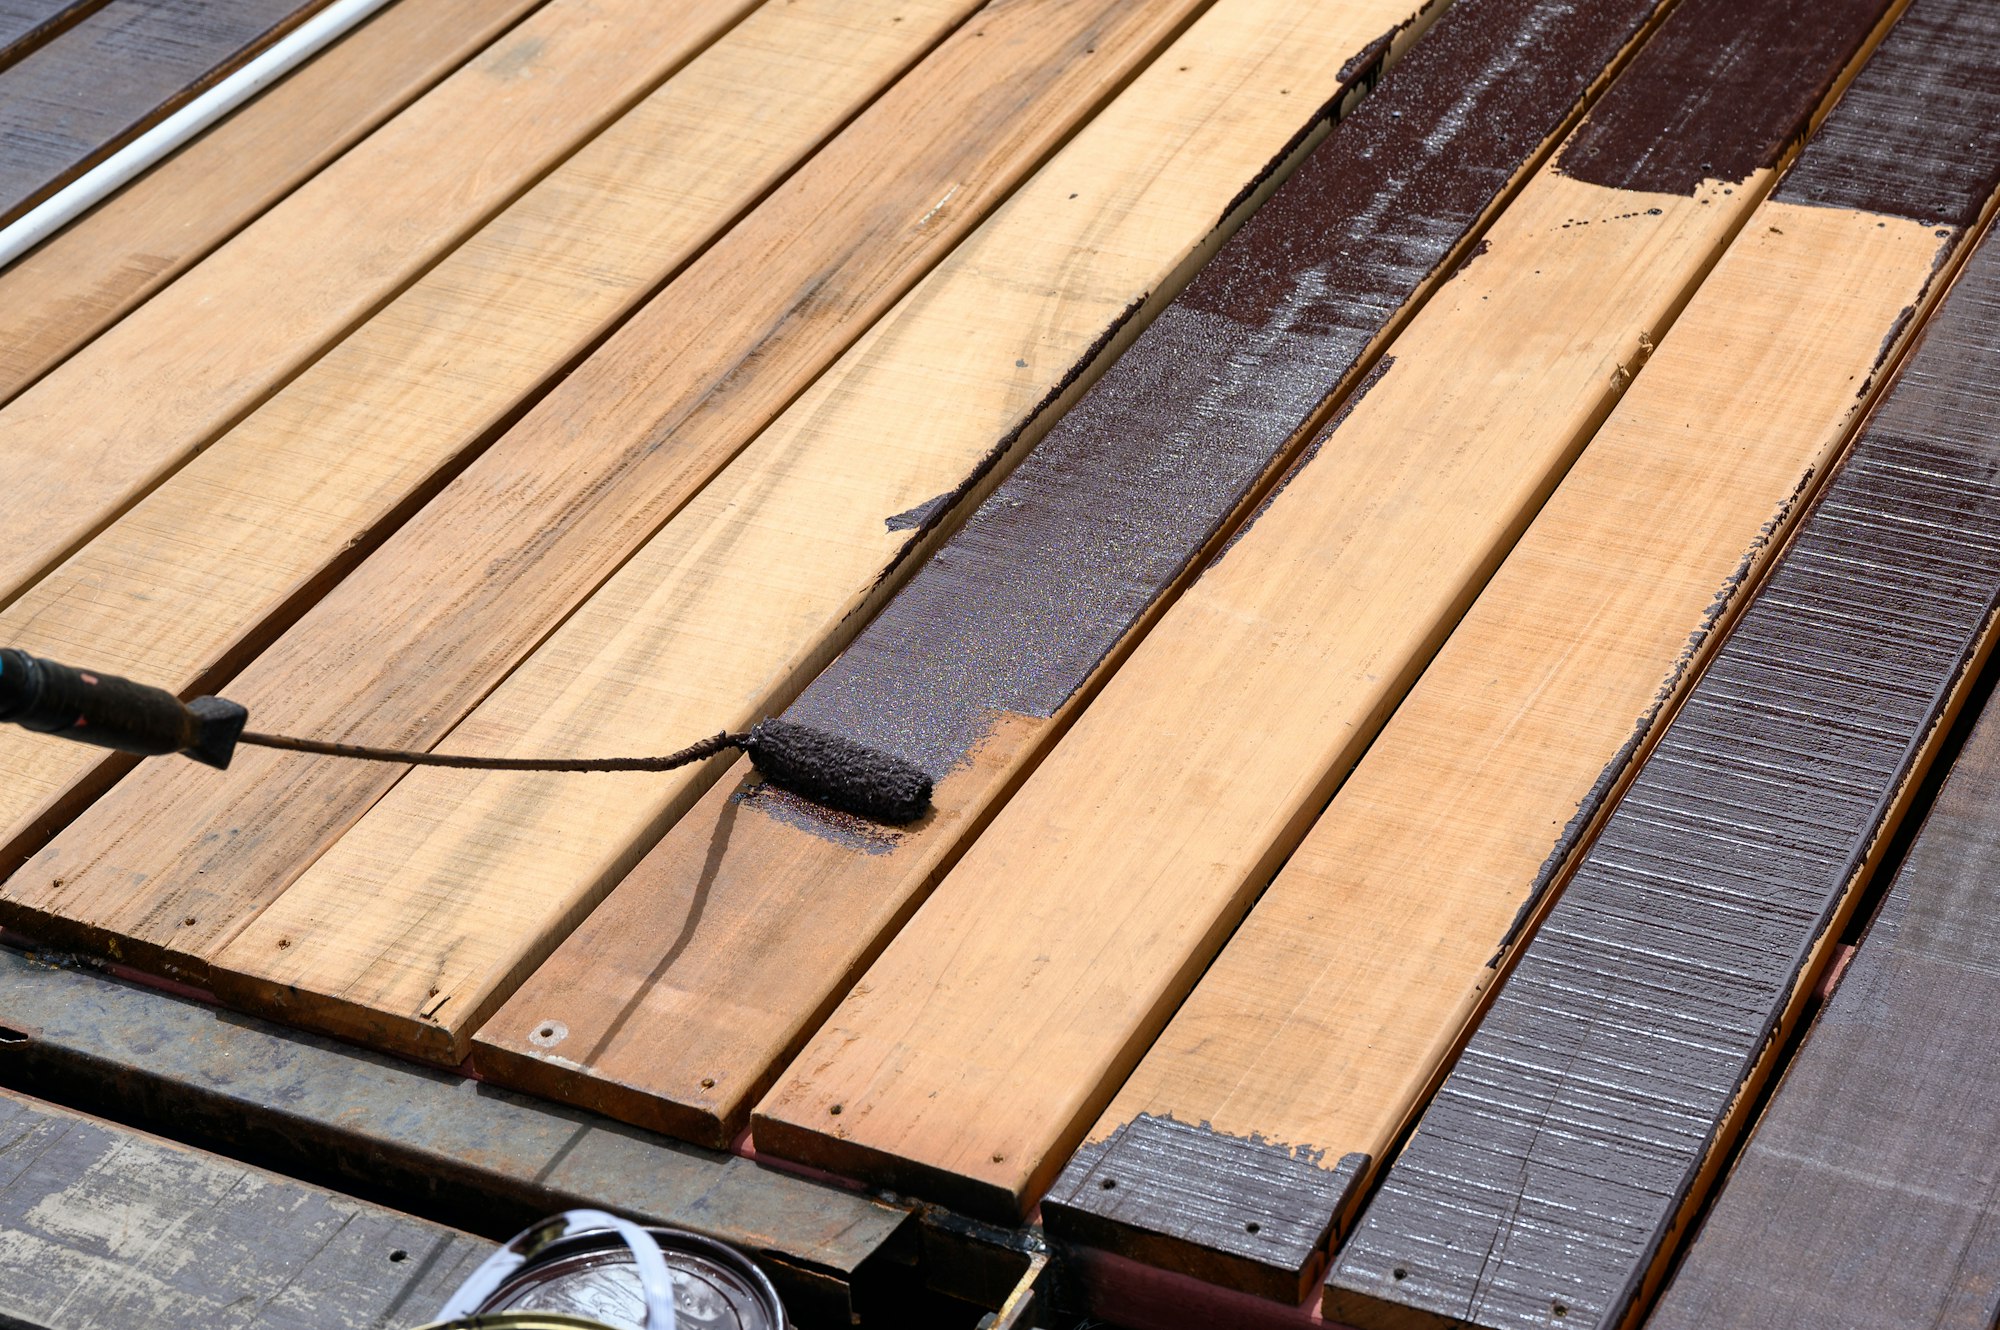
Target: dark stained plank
column 1552, row 1176
column 1869, row 1194
column 26, row 24
column 102, row 1228
column 121, row 70
column 1030, row 600
column 381, row 1127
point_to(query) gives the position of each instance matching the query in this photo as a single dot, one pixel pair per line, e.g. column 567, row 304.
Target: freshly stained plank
column 102, row 1228
column 87, row 276
column 116, row 418
column 1550, row 1178
column 1867, row 1195
column 94, row 88
column 685, row 1030
column 972, row 1056
column 474, row 880
column 411, row 640
column 27, row 24
column 1319, row 1029
column 353, row 1119
column 202, row 572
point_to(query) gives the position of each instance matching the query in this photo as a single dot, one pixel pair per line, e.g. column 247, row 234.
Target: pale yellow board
column 472, row 878
column 113, row 420
column 1324, row 1020
column 1073, row 927
column 88, row 275
column 177, row 585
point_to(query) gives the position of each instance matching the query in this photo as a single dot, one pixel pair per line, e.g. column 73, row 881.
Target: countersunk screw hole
column 1108, row 1183
column 1400, row 1273
column 1253, row 1227
column 835, row 1110
column 708, row 1082
column 1561, row 1310
column 399, row 1255
column 188, row 922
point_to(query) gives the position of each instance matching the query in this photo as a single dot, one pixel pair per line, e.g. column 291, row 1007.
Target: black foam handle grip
column 93, row 708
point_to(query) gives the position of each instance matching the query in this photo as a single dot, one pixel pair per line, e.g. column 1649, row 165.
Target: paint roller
column 92, row 707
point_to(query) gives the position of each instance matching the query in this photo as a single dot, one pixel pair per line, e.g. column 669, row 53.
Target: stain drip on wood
column 1014, row 613
column 1552, row 1172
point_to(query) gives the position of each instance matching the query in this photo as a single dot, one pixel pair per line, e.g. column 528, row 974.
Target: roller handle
column 111, row 712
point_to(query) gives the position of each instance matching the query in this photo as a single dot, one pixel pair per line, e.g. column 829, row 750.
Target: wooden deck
column 1436, row 552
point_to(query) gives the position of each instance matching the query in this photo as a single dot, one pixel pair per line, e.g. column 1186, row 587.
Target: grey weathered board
column 102, row 1228
column 1558, row 1164
column 81, row 96
column 433, row 1141
column 1869, row 1194
column 26, row 24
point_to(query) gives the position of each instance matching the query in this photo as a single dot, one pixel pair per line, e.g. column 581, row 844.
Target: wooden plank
column 416, row 636
column 204, row 571
column 1371, row 220
column 973, row 1055
column 25, row 25
column 1323, row 1023
column 113, row 75
column 117, row 418
column 464, row 1154
column 89, row 275
column 1867, row 1194
column 102, row 1228
column 1551, row 1178
column 695, row 632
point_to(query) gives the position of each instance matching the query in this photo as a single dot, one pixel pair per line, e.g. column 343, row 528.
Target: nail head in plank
column 666, row 1034
column 85, row 278
column 114, row 74
column 1585, row 1117
column 1326, row 1018
column 119, row 416
column 1099, row 893
column 1866, row 1195
column 106, row 1227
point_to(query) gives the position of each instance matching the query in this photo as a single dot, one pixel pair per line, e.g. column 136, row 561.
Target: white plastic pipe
column 111, row 174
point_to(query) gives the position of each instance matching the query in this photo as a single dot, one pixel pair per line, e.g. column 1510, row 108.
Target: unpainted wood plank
column 1321, row 1027
column 113, row 75
column 1866, row 1195
column 974, row 1054
column 684, row 1029
column 742, row 591
column 206, row 569
column 1550, row 1180
column 411, row 640
column 102, row 266
column 115, row 419
column 103, row 1228
column 26, row 24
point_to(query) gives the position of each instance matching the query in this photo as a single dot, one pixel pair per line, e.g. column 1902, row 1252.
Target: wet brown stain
column 1723, row 89
column 1016, row 610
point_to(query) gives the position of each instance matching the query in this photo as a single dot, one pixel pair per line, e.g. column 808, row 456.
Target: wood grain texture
column 1866, row 1197
column 1325, row 1021
column 685, row 1030
column 748, row 587
column 1549, row 1180
column 424, row 629
column 115, row 419
column 102, row 266
column 974, row 1054
column 102, row 1228
column 26, row 24
column 368, row 1123
column 205, row 570
column 115, row 74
